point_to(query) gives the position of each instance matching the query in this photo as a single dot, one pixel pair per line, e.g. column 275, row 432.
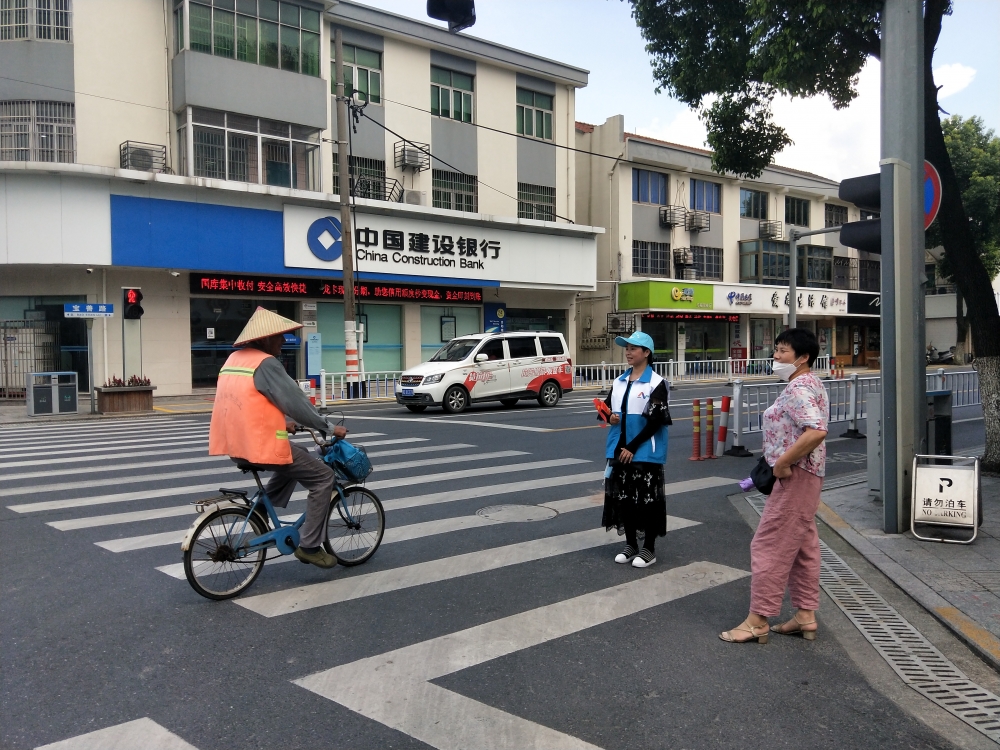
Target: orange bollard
column 720, row 446
column 710, row 431
column 696, row 423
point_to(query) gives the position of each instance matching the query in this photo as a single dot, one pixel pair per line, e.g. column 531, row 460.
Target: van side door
column 525, row 361
column 490, row 378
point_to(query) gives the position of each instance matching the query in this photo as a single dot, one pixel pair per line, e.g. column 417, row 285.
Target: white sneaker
column 625, row 555
column 643, row 560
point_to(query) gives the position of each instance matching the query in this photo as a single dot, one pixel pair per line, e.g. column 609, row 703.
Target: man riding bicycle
column 257, row 405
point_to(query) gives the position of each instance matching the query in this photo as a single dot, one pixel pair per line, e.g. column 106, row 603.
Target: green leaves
column 741, row 133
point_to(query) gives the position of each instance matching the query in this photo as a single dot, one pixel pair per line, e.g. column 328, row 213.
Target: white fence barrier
column 600, row 376
column 335, row 386
column 848, row 400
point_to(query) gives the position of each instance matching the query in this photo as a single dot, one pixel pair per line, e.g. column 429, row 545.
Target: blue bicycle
column 225, row 549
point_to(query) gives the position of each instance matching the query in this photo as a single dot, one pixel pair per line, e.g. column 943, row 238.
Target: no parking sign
column 932, row 193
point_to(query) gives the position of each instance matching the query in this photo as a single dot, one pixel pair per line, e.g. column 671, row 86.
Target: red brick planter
column 127, row 399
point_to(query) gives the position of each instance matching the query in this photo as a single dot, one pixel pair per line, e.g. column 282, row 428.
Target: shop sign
column 495, row 317
column 864, row 304
column 690, row 316
column 422, row 247
column 774, row 299
column 639, row 295
column 244, row 285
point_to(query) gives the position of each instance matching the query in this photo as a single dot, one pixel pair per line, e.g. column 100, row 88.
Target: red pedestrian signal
column 133, row 310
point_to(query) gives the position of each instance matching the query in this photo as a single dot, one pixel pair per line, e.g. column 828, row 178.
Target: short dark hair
column 802, row 341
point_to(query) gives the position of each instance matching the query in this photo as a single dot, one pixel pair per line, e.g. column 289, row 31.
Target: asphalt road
column 459, row 632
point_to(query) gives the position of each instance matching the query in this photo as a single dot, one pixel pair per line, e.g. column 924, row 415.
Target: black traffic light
column 131, row 299
column 865, row 193
column 460, row 14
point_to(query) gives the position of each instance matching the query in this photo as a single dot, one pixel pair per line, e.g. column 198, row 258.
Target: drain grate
column 917, row 662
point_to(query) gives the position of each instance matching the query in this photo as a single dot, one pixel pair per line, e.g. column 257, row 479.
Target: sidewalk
column 958, row 583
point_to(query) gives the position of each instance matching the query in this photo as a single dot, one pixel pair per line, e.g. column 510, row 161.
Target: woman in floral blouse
column 785, row 548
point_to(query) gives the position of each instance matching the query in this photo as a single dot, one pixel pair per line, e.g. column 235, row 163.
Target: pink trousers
column 785, row 548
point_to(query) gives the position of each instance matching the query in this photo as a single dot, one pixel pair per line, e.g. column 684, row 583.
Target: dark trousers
column 318, row 479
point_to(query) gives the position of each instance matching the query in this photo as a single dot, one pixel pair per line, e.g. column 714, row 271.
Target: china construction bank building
column 205, row 175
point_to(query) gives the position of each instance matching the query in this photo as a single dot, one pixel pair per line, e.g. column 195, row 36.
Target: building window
column 835, row 215
column 707, row 263
column 451, row 94
column 37, row 131
column 869, row 215
column 236, row 147
column 649, row 187
column 534, row 114
column 706, row 196
column 362, row 73
column 753, row 204
column 766, row 262
column 536, row 202
column 265, row 32
column 650, row 258
column 454, row 190
column 47, row 20
column 797, row 211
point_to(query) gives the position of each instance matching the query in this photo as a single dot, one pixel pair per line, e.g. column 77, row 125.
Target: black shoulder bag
column 762, row 476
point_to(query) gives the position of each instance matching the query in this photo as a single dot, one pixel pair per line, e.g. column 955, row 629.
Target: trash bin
column 51, row 393
column 939, row 423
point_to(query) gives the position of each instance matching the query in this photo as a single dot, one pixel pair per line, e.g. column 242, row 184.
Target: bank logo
column 324, row 238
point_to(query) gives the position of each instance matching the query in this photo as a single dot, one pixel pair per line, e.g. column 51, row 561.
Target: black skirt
column 634, row 497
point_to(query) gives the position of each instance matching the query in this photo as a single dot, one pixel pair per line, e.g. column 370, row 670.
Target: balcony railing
column 378, row 189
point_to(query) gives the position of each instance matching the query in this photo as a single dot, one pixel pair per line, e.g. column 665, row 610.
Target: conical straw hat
column 264, row 323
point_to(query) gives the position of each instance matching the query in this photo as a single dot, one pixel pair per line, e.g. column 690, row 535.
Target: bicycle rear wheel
column 217, row 564
column 353, row 543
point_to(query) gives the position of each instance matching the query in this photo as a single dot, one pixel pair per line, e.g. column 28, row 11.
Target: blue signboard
column 314, row 354
column 88, row 310
column 494, row 317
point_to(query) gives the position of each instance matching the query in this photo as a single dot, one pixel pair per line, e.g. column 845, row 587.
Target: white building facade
column 195, row 159
column 700, row 261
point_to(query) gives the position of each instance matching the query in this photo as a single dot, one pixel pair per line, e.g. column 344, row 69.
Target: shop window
column 649, row 187
column 362, row 73
column 533, row 319
column 265, row 32
column 467, row 321
column 536, row 202
column 753, row 204
column 797, row 211
column 230, row 146
column 534, row 114
column 451, row 94
column 706, row 196
column 650, row 258
column 454, row 190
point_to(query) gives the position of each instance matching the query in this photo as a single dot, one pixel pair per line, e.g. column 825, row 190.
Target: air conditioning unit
column 698, row 221
column 683, row 256
column 672, row 216
column 620, row 323
column 411, row 155
column 770, row 230
column 415, row 197
column 143, row 157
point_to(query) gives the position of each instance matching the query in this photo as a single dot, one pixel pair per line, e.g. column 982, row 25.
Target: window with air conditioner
column 451, row 94
column 40, row 20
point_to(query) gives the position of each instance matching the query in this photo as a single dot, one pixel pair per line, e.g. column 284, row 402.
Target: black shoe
column 626, row 555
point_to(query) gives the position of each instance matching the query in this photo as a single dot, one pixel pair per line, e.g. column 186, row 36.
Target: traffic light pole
column 904, row 403
column 346, row 231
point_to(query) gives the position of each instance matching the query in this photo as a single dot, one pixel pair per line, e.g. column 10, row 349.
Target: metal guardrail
column 848, row 399
column 601, row 375
column 335, row 386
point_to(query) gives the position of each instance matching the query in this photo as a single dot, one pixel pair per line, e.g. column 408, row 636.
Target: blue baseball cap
column 636, row 339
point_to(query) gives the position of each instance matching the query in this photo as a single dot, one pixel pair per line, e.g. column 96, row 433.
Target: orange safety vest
column 244, row 423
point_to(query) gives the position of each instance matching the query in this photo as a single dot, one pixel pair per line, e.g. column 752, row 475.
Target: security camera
column 90, row 270
column 175, row 273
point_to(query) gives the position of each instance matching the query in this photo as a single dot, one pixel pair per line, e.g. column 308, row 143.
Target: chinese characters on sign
column 945, row 495
column 224, row 284
column 691, row 316
column 425, row 249
column 88, row 310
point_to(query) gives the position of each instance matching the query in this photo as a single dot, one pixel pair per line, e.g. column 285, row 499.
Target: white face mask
column 784, row 370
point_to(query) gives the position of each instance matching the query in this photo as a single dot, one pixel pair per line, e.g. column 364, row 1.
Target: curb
column 981, row 641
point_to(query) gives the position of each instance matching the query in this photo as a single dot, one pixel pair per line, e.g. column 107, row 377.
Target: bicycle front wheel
column 354, row 535
column 217, row 564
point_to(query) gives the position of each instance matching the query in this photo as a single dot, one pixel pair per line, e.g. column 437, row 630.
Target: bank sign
column 405, row 246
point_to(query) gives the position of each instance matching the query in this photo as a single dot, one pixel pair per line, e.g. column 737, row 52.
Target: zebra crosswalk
column 123, row 493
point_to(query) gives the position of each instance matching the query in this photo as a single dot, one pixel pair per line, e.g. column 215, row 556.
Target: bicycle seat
column 243, row 465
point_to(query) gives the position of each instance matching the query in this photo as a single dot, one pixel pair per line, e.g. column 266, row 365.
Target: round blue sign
column 324, row 238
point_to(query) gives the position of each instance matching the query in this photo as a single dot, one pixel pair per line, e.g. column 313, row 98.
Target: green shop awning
column 664, row 295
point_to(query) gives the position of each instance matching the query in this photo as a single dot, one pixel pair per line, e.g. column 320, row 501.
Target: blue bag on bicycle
column 349, row 460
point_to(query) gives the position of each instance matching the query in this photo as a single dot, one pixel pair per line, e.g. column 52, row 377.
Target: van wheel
column 508, row 402
column 416, row 408
column 549, row 394
column 456, row 400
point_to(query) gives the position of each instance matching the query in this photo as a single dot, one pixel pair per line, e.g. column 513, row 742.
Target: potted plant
column 117, row 395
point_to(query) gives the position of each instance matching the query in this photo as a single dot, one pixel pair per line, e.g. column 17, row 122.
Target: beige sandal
column 800, row 628
column 745, row 627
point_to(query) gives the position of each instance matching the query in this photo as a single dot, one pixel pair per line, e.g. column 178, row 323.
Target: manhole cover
column 516, row 513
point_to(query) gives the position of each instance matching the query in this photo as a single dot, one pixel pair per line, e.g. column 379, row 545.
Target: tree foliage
column 975, row 157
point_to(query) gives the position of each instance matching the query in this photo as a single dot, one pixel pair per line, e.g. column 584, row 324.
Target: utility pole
column 904, row 403
column 346, row 230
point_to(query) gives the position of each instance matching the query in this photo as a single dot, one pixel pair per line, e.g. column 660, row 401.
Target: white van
column 502, row 367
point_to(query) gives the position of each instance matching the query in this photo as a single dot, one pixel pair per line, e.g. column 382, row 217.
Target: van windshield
column 455, row 350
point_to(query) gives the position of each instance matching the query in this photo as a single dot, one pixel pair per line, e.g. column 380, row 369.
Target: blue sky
column 601, row 36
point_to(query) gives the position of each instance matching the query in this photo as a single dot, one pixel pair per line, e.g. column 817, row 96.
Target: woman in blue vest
column 634, row 500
